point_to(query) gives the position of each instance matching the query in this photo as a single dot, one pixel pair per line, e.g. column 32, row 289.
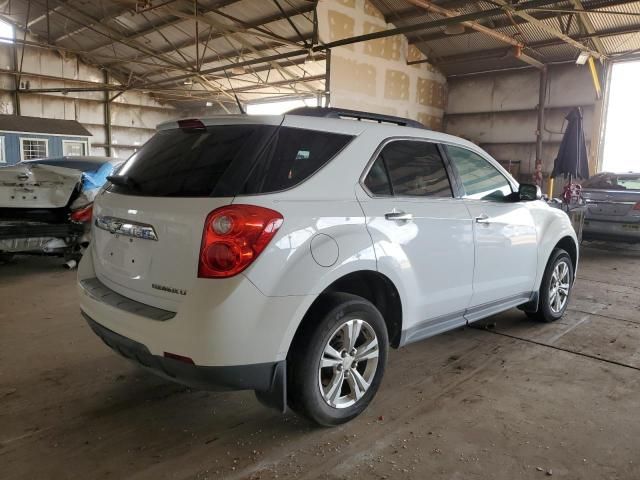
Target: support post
column 540, row 130
column 107, row 116
column 16, row 90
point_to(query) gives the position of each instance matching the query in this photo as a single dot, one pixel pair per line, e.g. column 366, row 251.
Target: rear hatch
column 149, row 220
column 611, row 204
column 35, row 186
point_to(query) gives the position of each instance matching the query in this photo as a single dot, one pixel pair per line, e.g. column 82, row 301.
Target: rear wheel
column 338, row 360
column 555, row 288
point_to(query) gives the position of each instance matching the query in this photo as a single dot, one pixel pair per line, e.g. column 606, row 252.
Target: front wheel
column 555, row 288
column 338, row 360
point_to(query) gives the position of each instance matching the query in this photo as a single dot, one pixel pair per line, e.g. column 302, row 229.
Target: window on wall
column 3, row 158
column 73, row 148
column 31, row 148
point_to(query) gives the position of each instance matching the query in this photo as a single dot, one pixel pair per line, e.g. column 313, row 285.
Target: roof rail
column 331, row 112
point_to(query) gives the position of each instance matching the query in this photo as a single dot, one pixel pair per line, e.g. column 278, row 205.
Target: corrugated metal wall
column 134, row 115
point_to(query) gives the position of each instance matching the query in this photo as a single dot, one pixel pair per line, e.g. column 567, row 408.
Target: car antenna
column 233, row 90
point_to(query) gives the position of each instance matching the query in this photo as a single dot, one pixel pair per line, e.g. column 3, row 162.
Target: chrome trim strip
column 128, row 228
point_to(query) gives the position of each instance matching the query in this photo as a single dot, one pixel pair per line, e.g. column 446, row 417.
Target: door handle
column 483, row 218
column 398, row 216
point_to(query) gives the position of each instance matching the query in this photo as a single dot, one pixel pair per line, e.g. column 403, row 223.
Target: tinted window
column 292, row 156
column 480, row 179
column 377, row 181
column 226, row 160
column 416, row 169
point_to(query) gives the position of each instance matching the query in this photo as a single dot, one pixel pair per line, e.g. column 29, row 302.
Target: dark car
column 613, row 207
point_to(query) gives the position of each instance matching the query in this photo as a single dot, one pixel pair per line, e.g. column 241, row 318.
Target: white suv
column 285, row 254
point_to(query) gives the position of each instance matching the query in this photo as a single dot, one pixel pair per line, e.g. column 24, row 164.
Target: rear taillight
column 636, row 206
column 82, row 215
column 233, row 237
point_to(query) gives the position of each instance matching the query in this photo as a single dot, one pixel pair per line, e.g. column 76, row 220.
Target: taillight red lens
column 233, row 237
column 82, row 215
column 636, row 206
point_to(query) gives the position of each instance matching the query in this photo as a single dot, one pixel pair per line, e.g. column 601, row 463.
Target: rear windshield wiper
column 123, row 181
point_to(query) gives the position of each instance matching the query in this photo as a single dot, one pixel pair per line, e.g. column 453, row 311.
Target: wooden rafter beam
column 547, row 28
column 588, row 27
column 500, row 52
column 500, row 22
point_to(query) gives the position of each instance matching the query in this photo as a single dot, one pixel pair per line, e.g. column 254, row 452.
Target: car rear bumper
column 38, row 237
column 267, row 379
column 597, row 229
column 220, row 323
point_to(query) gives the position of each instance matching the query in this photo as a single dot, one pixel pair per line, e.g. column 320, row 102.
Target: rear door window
column 413, row 168
column 227, row 160
column 377, row 180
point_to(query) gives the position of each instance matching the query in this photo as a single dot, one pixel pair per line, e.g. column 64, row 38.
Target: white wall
column 374, row 76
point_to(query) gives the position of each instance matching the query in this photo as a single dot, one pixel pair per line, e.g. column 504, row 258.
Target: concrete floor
column 518, row 400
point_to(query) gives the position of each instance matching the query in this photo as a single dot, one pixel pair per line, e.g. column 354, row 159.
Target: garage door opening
column 621, row 147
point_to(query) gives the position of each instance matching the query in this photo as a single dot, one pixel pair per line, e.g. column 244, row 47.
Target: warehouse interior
column 502, row 398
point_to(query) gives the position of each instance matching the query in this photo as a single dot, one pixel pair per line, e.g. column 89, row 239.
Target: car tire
column 555, row 289
column 340, row 390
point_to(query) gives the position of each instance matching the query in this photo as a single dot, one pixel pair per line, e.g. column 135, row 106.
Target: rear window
column 227, row 160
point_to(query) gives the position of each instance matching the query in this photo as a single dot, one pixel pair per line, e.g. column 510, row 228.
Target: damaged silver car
column 46, row 205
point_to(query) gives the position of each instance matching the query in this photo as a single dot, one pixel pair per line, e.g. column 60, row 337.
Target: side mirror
column 529, row 192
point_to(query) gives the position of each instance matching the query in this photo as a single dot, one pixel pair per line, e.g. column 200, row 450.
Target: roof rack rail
column 331, row 112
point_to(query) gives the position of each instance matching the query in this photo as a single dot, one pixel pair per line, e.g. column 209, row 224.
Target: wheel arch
column 569, row 245
column 374, row 287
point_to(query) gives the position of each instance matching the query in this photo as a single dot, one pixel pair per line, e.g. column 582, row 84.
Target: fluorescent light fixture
column 310, row 60
column 188, row 81
column 582, row 58
column 454, row 29
column 209, row 104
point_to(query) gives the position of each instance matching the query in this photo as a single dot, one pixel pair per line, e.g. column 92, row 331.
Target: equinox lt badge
column 164, row 288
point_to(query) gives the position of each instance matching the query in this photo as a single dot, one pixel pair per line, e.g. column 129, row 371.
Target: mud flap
column 531, row 305
column 276, row 395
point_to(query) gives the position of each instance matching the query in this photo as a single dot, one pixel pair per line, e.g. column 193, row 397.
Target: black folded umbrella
column 572, row 158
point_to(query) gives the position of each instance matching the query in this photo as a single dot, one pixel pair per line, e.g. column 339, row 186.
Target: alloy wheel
column 559, row 287
column 349, row 363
